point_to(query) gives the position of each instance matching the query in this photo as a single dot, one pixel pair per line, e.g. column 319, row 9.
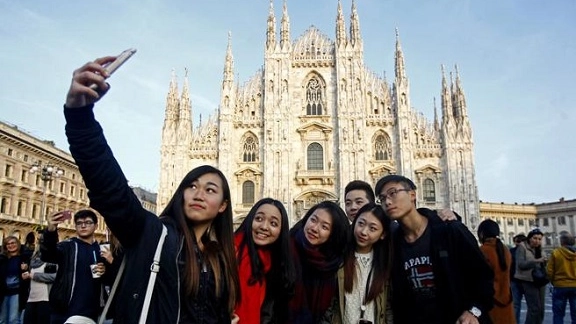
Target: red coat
column 251, row 296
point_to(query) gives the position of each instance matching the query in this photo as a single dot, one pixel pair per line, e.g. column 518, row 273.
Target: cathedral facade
column 315, row 118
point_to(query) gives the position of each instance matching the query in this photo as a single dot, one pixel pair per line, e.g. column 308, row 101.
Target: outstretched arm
column 108, row 188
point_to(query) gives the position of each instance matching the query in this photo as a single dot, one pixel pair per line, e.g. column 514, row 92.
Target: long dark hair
column 382, row 253
column 218, row 240
column 338, row 234
column 490, row 229
column 282, row 268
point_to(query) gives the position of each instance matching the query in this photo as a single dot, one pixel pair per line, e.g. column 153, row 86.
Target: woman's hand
column 107, row 254
column 80, row 94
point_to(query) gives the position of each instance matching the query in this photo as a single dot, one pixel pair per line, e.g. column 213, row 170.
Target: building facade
column 26, row 197
column 552, row 218
column 513, row 219
column 313, row 119
column 555, row 218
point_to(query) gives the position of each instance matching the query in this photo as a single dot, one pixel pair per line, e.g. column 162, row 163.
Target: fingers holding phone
column 89, row 81
column 80, row 94
column 58, row 218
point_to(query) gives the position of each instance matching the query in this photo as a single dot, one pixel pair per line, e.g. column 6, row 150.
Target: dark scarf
column 316, row 284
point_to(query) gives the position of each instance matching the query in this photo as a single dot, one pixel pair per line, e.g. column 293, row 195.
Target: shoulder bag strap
column 154, row 268
column 112, row 292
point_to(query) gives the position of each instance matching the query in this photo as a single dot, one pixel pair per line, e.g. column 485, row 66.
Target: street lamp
column 47, row 172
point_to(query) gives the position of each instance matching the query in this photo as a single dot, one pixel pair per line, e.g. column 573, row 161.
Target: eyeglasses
column 86, row 223
column 391, row 194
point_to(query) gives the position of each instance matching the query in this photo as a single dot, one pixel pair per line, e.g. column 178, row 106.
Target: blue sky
column 516, row 61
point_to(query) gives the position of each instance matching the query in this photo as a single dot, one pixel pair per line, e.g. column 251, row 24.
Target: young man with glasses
column 439, row 274
column 77, row 293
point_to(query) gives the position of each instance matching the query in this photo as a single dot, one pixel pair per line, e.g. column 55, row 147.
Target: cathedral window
column 250, row 149
column 382, row 147
column 315, row 157
column 248, row 192
column 314, row 97
column 429, row 190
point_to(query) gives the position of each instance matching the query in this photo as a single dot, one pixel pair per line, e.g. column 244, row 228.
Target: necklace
column 365, row 260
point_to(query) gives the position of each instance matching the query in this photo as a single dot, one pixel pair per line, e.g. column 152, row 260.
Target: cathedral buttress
column 271, row 29
column 226, row 110
column 228, row 77
column 169, row 140
column 341, row 37
column 355, row 38
column 285, row 29
column 458, row 153
column 460, row 106
column 404, row 129
column 185, row 115
column 446, row 103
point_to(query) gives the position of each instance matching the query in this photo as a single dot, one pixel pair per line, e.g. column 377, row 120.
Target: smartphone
column 114, row 65
column 66, row 215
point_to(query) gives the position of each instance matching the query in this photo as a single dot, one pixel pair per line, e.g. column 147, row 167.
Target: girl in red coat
column 265, row 270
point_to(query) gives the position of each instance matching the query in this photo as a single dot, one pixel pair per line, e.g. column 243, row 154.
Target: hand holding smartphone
column 66, row 215
column 114, row 65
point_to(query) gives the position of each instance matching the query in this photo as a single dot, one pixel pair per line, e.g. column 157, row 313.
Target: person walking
column 561, row 270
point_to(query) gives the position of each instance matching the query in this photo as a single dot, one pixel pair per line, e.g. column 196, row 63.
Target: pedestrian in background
column 528, row 257
column 561, row 270
column 42, row 276
column 517, row 290
column 77, row 292
column 14, row 283
column 500, row 260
